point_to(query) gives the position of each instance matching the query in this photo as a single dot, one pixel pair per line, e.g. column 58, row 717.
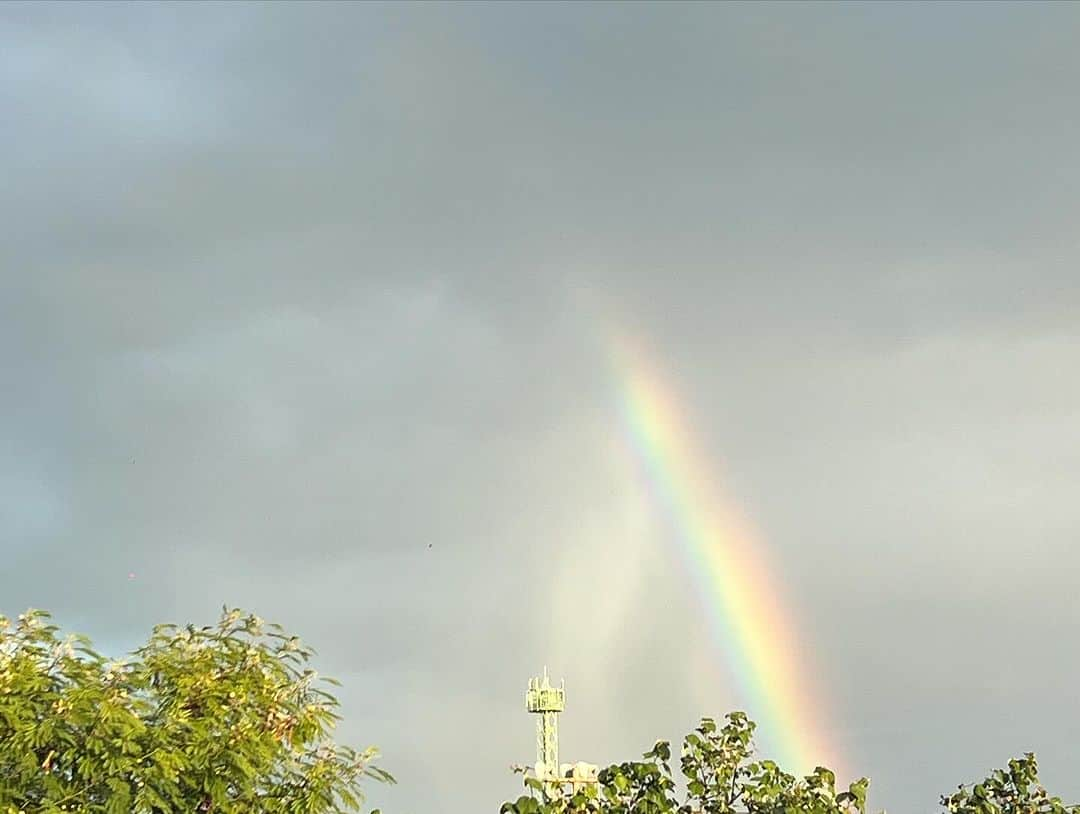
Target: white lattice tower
column 547, row 702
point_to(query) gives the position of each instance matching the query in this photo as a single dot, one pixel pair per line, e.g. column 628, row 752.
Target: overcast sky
column 300, row 308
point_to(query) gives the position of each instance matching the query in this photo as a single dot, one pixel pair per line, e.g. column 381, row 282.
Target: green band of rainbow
column 744, row 600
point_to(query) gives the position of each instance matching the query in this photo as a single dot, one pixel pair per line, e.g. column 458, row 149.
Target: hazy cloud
column 301, row 309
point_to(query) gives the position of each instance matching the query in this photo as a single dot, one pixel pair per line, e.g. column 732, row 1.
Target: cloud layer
column 298, row 311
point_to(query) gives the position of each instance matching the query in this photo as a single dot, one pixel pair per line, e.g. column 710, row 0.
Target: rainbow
column 728, row 563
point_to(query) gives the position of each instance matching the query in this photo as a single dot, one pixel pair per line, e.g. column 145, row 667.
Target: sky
column 308, row 309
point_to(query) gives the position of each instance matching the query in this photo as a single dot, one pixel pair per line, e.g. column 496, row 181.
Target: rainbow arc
column 728, row 563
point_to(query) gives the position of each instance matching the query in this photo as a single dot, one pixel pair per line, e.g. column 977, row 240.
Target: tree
column 1015, row 790
column 722, row 777
column 219, row 719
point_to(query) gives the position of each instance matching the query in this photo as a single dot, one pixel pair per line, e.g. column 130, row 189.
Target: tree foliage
column 222, row 719
column 721, row 775
column 1015, row 790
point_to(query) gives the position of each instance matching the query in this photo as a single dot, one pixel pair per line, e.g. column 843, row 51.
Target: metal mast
column 546, row 702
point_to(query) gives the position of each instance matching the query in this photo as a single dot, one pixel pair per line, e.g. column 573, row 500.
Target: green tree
column 723, row 777
column 1015, row 790
column 721, row 774
column 221, row 719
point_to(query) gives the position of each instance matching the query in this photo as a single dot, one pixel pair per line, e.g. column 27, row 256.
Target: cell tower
column 547, row 702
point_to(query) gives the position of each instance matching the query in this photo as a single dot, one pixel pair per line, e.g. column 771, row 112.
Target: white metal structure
column 547, row 702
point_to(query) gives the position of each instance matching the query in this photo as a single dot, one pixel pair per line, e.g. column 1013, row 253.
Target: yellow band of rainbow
column 744, row 600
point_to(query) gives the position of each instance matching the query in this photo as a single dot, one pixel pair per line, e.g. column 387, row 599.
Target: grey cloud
column 336, row 277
